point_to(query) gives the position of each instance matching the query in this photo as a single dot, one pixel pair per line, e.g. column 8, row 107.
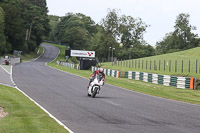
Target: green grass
column 136, row 64
column 32, row 55
column 190, row 96
column 24, row 116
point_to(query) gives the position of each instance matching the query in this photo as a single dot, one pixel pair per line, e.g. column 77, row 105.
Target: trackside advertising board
column 80, row 53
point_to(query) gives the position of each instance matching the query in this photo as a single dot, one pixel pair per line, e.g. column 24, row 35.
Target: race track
column 114, row 110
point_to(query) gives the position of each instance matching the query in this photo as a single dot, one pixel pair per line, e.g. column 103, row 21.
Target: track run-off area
column 114, row 110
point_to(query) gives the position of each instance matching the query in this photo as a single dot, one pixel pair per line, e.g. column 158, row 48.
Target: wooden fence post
column 196, row 65
column 135, row 63
column 189, row 67
column 139, row 64
column 150, row 64
column 164, row 65
column 146, row 65
column 199, row 68
column 175, row 65
column 142, row 64
column 159, row 65
column 182, row 66
column 132, row 63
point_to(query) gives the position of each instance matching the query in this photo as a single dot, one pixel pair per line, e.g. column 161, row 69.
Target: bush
column 74, row 60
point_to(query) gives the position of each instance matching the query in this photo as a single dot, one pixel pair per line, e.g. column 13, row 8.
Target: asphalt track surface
column 114, row 110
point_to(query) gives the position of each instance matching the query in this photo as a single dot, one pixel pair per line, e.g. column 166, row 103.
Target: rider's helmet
column 100, row 70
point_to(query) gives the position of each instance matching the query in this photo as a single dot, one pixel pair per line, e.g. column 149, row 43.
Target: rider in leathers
column 98, row 72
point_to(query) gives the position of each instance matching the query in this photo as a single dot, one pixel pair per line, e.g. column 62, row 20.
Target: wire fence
column 162, row 65
column 177, row 66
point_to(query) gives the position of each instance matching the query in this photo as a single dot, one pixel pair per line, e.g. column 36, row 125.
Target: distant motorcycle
column 95, row 86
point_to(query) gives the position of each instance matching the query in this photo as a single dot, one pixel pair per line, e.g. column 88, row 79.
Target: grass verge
column 190, row 96
column 23, row 115
column 184, row 63
column 32, row 55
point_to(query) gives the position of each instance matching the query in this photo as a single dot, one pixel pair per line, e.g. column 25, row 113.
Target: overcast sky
column 159, row 14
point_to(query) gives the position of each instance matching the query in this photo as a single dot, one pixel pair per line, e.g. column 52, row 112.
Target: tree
column 40, row 3
column 131, row 30
column 26, row 23
column 89, row 24
column 3, row 48
column 36, row 22
column 138, row 51
column 183, row 32
column 14, row 26
column 54, row 21
column 80, row 32
column 181, row 38
column 101, row 41
column 111, row 23
column 61, row 27
column 163, row 46
column 75, row 30
column 76, row 38
column 149, row 51
column 128, row 31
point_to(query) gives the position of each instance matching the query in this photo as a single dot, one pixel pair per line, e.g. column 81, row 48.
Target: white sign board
column 79, row 53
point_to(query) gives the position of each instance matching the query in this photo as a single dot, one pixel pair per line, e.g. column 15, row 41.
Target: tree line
column 23, row 24
column 124, row 33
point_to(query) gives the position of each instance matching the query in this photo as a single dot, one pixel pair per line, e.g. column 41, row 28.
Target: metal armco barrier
column 11, row 60
column 178, row 82
column 67, row 64
column 108, row 72
column 14, row 61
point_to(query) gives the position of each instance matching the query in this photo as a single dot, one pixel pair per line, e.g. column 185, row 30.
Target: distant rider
column 97, row 72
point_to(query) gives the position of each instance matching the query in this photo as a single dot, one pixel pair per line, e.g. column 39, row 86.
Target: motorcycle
column 95, row 86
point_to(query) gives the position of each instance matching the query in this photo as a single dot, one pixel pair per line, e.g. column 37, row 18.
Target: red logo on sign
column 90, row 54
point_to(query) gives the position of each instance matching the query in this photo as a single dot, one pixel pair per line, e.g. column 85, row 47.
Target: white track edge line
column 58, row 121
column 11, row 77
column 36, row 58
column 39, row 56
column 7, row 85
